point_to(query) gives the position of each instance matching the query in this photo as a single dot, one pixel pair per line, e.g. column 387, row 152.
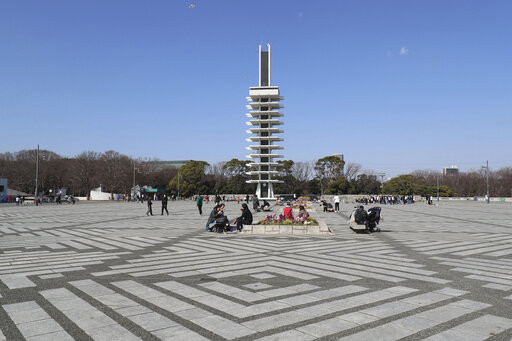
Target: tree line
column 81, row 173
column 327, row 175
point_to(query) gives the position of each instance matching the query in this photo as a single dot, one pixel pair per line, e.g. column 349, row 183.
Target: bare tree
column 85, row 167
column 116, row 171
column 302, row 171
column 352, row 170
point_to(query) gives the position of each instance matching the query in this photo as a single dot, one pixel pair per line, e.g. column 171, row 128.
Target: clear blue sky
column 393, row 85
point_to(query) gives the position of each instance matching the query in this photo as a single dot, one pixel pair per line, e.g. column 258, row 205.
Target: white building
column 264, row 110
column 453, row 170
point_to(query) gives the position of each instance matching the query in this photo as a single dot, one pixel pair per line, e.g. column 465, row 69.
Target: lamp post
column 382, row 175
column 437, row 180
column 36, row 199
column 178, row 184
column 486, row 167
column 133, row 188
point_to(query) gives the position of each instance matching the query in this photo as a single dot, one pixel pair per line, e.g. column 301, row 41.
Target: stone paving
column 106, row 271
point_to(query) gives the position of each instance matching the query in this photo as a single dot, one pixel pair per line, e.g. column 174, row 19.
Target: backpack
column 222, row 221
column 374, row 214
column 360, row 216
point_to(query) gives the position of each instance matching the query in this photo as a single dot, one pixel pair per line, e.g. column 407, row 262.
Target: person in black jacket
column 246, row 218
column 164, row 204
column 150, row 210
column 256, row 203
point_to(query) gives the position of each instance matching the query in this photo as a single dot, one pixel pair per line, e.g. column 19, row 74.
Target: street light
column 178, row 184
column 133, row 188
column 382, row 175
column 487, row 179
column 36, row 199
column 437, row 180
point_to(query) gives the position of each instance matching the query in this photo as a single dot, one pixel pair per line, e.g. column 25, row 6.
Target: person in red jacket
column 287, row 212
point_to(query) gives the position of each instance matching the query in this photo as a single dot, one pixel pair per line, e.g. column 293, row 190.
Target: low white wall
column 97, row 195
column 350, row 198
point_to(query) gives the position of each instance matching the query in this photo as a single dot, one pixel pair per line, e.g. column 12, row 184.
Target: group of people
column 288, row 213
column 386, row 199
column 164, row 201
column 256, row 205
column 19, row 199
column 219, row 222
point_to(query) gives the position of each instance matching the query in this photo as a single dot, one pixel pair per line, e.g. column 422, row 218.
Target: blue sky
column 393, row 85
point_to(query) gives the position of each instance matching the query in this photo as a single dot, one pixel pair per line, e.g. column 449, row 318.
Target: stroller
column 367, row 221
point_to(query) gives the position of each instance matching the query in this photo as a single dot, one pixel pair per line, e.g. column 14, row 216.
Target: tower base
column 265, row 191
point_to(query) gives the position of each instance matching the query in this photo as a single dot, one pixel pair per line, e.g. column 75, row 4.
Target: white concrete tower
column 264, row 110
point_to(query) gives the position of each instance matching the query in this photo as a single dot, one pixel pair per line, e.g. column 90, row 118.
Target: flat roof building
column 160, row 165
column 453, row 170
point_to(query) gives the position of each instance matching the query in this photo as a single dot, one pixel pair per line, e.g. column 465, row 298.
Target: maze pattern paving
column 108, row 272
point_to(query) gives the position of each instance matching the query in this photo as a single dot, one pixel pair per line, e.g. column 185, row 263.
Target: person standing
column 336, row 203
column 150, row 208
column 164, row 204
column 199, row 203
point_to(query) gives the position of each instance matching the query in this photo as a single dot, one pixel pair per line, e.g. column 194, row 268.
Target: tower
column 264, row 113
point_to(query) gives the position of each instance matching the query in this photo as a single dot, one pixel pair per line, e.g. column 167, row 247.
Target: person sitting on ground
column 303, row 214
column 266, row 206
column 246, row 217
column 287, row 212
column 211, row 218
column 221, row 221
column 256, row 204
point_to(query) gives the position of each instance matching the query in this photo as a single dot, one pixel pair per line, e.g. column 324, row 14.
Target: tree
column 301, row 173
column 402, row 185
column 328, row 169
column 284, row 169
column 365, row 184
column 116, row 170
column 235, row 167
column 84, row 171
column 191, row 177
column 338, row 186
column 236, row 171
column 352, row 170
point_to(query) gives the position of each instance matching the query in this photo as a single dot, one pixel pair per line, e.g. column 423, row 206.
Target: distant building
column 160, row 165
column 3, row 190
column 341, row 157
column 453, row 170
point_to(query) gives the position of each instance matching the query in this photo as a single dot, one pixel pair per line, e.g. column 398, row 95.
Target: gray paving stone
column 39, row 327
column 57, row 336
column 263, row 276
column 257, row 286
column 152, row 321
column 178, row 333
column 290, row 335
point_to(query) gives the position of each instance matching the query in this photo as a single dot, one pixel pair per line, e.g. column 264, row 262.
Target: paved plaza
column 106, row 271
